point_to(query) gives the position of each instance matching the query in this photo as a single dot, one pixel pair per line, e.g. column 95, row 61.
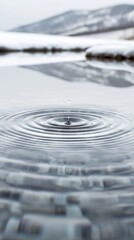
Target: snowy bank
column 40, row 42
column 112, row 51
column 29, row 42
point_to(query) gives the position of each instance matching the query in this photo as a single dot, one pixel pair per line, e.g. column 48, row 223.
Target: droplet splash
column 85, row 128
column 68, row 122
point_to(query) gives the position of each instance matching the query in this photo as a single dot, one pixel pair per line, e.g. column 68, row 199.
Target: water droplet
column 68, row 122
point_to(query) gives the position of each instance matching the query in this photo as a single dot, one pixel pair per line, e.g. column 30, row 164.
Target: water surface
column 59, row 180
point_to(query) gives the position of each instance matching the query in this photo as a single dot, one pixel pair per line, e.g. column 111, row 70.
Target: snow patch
column 120, row 52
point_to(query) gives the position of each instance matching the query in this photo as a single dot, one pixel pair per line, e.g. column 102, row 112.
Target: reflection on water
column 23, row 58
column 67, row 181
column 88, row 72
column 126, row 66
column 71, row 66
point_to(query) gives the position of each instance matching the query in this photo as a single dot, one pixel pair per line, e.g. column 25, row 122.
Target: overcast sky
column 18, row 12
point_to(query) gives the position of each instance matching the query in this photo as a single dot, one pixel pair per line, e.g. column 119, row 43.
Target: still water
column 67, row 151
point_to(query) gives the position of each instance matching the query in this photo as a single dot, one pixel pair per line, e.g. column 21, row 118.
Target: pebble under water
column 66, row 174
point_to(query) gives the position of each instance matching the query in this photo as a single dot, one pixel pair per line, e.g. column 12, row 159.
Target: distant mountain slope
column 85, row 22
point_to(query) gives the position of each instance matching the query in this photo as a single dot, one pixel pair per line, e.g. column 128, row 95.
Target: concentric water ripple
column 47, row 128
column 63, row 169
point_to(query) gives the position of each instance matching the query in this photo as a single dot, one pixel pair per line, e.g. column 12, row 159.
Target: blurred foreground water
column 60, row 181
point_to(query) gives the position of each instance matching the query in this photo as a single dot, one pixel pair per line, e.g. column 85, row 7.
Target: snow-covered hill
column 85, row 22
